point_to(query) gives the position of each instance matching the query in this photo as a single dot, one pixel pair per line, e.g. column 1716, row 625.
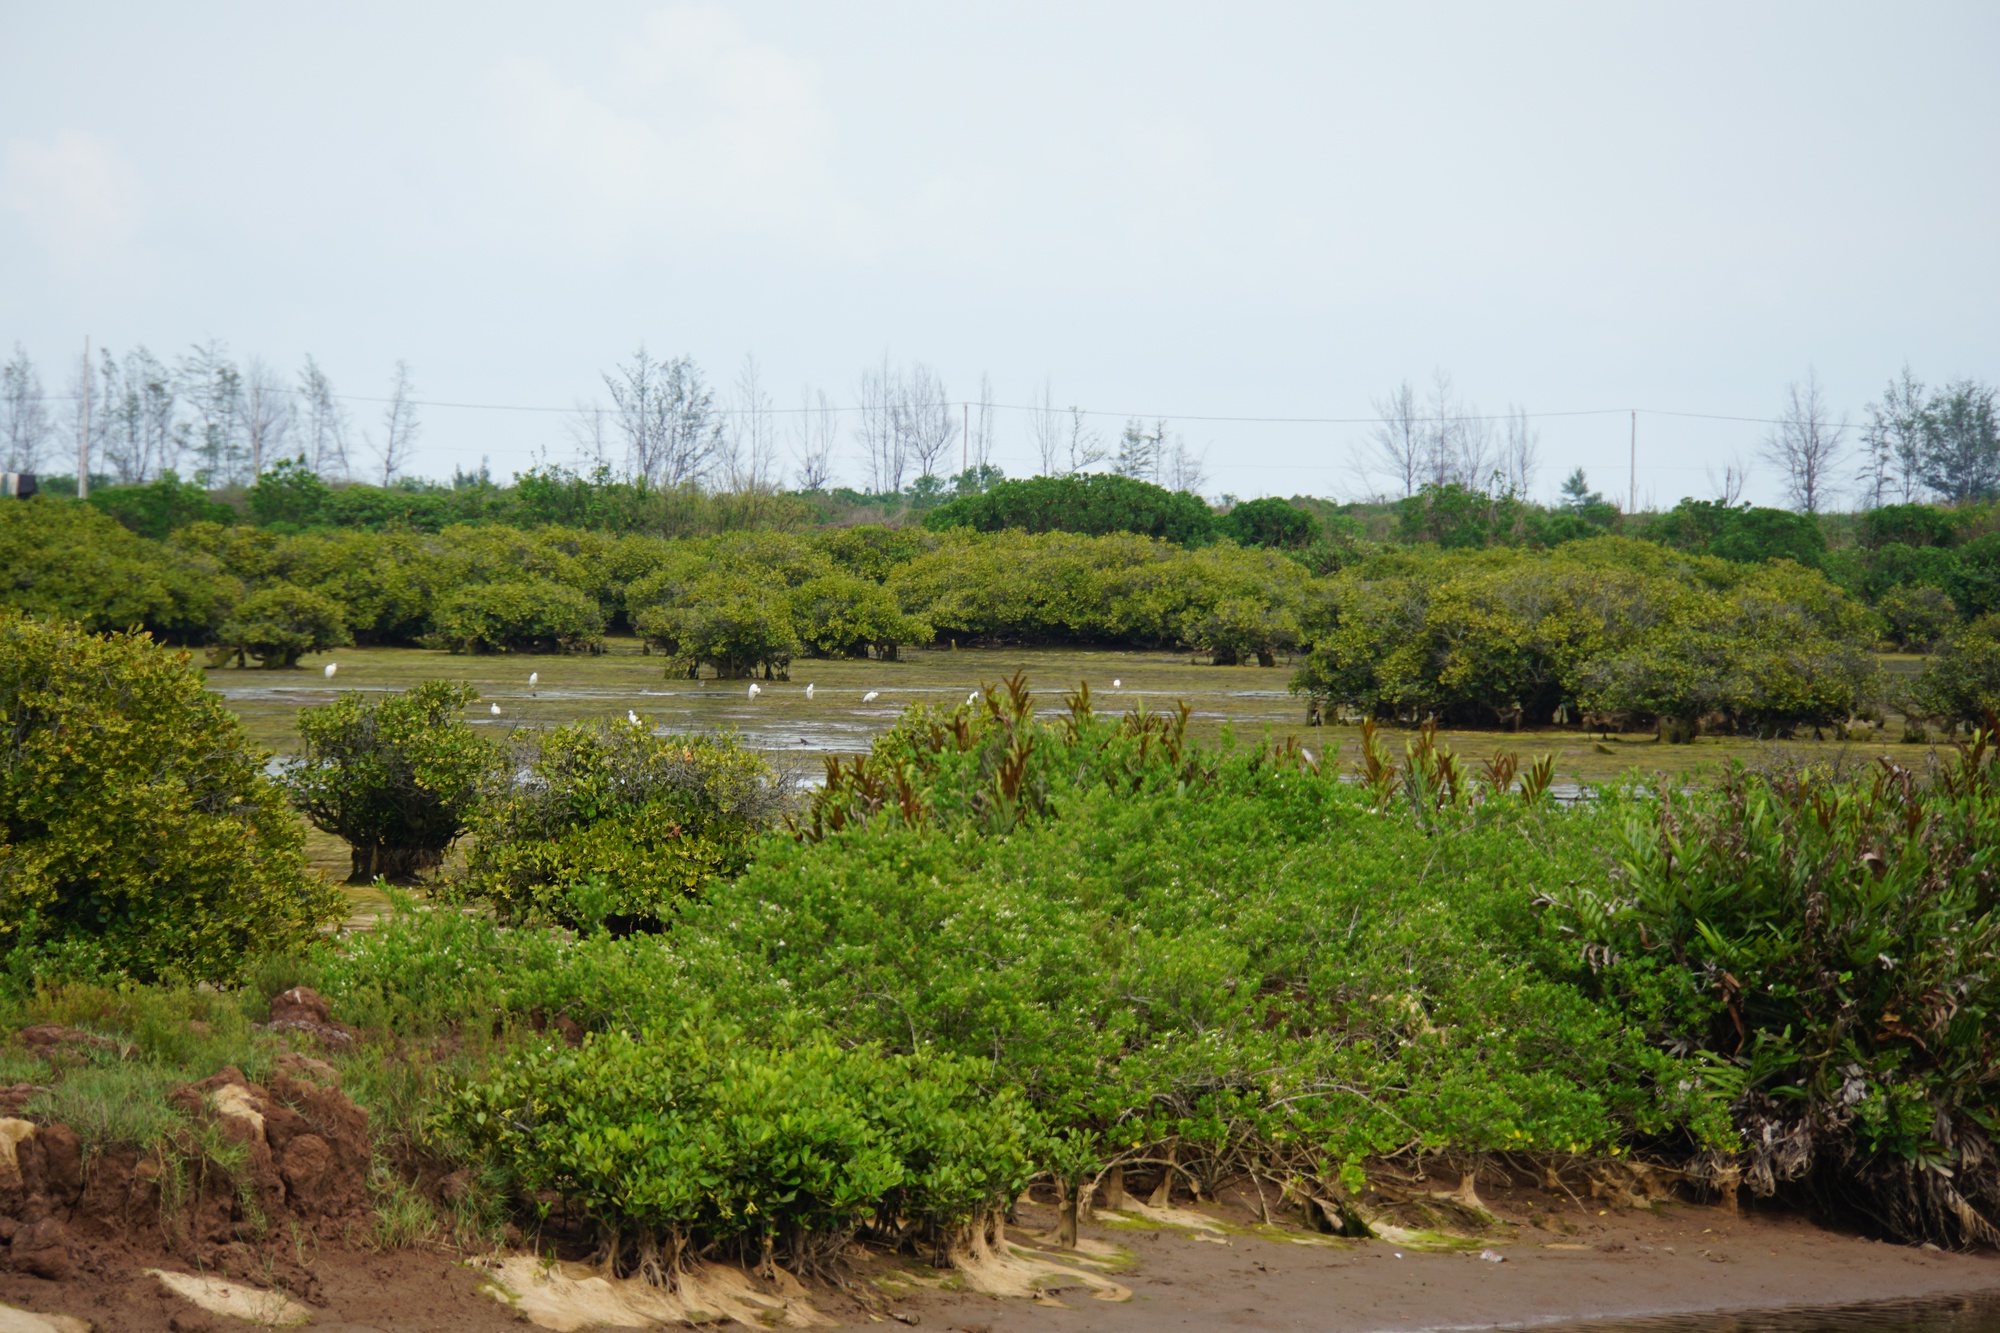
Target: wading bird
column 754, row 691
column 809, row 691
column 496, row 710
column 331, row 667
column 1117, row 684
column 632, row 717
column 534, row 679
column 869, row 697
column 972, row 698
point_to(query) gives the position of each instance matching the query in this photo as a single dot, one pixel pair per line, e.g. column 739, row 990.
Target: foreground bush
column 139, row 836
column 1825, row 949
column 612, row 823
column 398, row 779
column 697, row 1134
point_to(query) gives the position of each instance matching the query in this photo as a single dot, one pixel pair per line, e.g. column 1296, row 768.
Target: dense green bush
column 1269, row 522
column 698, row 1133
column 613, row 822
column 280, row 623
column 1091, row 503
column 1824, row 948
column 1962, row 683
column 1741, row 533
column 157, row 508
column 1610, row 625
column 839, row 615
column 532, row 615
column 398, row 779
column 69, row 561
column 732, row 625
column 1916, row 616
column 138, row 834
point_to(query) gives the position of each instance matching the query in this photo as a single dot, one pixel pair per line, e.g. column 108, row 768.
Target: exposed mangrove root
column 568, row 1297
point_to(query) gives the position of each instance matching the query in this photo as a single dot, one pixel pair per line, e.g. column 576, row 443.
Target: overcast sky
column 1169, row 210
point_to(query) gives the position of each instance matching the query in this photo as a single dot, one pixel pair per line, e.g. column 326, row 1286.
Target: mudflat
column 1556, row 1264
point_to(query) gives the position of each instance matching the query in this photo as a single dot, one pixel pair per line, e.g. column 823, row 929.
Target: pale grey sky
column 1166, row 209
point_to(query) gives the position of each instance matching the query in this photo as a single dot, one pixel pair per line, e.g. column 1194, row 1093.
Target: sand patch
column 568, row 1297
column 28, row 1321
column 234, row 1300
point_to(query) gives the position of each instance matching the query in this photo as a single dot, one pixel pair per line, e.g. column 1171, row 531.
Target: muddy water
column 839, row 718
column 1953, row 1314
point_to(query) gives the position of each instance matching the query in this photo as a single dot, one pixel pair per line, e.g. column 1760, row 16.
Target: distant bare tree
column 1045, row 425
column 589, row 429
column 267, row 415
column 322, row 422
column 815, row 433
column 979, row 451
column 666, row 413
column 1893, row 443
column 1458, row 442
column 25, row 424
column 923, row 418
column 143, row 432
column 1520, row 453
column 1084, row 446
column 882, row 445
column 1806, row 445
column 212, row 387
column 1729, row 489
column 747, row 452
column 1398, row 437
column 1181, row 469
column 1140, row 450
column 399, row 426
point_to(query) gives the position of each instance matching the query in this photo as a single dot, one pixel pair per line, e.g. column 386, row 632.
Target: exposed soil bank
column 1562, row 1263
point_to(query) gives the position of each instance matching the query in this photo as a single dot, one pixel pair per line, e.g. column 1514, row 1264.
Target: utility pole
column 83, row 430
column 965, row 442
column 1632, row 504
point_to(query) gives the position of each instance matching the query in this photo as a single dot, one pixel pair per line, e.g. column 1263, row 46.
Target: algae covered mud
column 839, row 717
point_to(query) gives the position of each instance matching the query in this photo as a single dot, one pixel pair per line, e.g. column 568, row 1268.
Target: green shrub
column 1917, row 617
column 398, row 779
column 697, row 1134
column 280, row 623
column 160, row 506
column 1611, row 624
column 1962, row 682
column 1824, row 947
column 840, row 615
column 612, row 822
column 1269, row 522
column 68, row 561
column 733, row 625
column 527, row 615
column 138, row 834
column 1093, row 504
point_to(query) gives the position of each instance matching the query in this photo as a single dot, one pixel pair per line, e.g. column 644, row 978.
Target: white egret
column 496, row 710
column 809, row 691
column 972, row 698
column 869, row 697
column 632, row 717
column 534, row 679
column 1117, row 684
column 754, row 691
column 331, row 667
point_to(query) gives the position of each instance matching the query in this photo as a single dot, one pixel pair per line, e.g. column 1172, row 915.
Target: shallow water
column 1250, row 701
column 1946, row 1314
